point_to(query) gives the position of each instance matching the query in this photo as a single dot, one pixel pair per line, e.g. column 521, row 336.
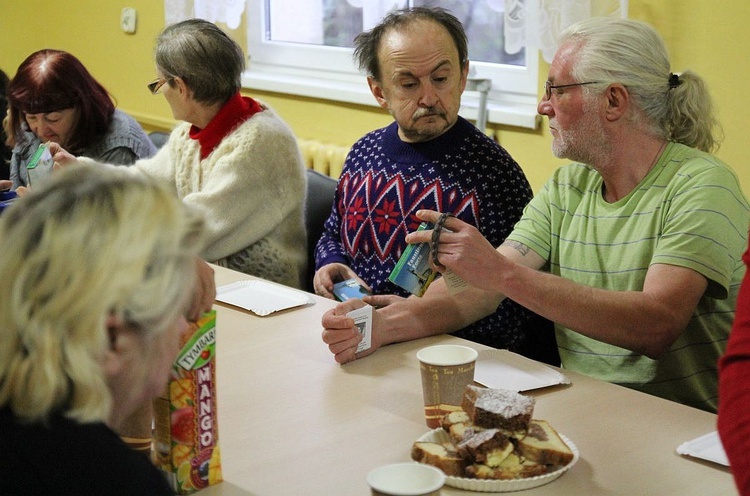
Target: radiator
column 326, row 158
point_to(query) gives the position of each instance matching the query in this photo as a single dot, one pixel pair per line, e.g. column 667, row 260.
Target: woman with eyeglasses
column 232, row 157
column 54, row 98
column 96, row 274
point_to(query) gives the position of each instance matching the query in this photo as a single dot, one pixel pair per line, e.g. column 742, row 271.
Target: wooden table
column 294, row 422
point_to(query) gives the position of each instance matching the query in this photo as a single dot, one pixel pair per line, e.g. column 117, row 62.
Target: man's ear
column 464, row 76
column 618, row 101
column 377, row 91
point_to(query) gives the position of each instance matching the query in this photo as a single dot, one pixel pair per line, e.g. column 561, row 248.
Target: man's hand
column 5, row 184
column 461, row 248
column 380, row 301
column 343, row 337
column 204, row 291
column 327, row 275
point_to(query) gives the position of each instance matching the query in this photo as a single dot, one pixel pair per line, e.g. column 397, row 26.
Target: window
column 304, row 47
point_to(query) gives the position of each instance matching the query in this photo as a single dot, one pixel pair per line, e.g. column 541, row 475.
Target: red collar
column 236, row 111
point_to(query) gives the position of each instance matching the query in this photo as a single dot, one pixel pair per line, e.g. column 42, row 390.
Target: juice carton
column 40, row 165
column 186, row 435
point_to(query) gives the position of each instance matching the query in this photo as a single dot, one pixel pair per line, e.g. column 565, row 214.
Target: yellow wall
column 709, row 37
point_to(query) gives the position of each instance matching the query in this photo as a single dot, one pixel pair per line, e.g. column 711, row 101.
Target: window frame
column 512, row 100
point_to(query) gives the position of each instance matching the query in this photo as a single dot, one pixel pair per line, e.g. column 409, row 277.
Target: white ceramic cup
column 406, row 479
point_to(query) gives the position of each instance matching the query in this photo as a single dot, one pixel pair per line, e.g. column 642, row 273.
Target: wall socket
column 128, row 20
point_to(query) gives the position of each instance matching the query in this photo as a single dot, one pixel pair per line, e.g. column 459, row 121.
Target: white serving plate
column 439, row 436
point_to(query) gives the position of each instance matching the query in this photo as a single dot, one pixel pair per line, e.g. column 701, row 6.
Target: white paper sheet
column 504, row 369
column 261, row 297
column 707, row 447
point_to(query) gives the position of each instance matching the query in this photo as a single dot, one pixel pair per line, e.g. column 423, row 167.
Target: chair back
column 321, row 190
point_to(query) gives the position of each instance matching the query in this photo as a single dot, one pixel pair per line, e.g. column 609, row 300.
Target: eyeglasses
column 155, row 86
column 548, row 87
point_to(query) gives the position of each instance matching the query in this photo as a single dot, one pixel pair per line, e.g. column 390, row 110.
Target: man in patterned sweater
column 429, row 158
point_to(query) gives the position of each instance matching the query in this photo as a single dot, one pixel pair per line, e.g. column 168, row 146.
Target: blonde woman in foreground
column 96, row 274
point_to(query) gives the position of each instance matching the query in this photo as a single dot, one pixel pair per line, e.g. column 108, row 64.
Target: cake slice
column 489, row 447
column 544, row 445
column 455, row 417
column 498, row 409
column 460, row 431
column 513, row 467
column 446, row 459
column 458, row 425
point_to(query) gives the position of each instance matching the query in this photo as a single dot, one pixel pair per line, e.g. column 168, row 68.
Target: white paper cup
column 406, row 479
column 446, row 370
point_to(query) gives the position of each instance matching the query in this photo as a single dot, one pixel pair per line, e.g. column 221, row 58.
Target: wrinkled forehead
column 417, row 48
column 563, row 65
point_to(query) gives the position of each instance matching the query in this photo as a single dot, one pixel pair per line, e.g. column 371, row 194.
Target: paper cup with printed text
column 446, row 370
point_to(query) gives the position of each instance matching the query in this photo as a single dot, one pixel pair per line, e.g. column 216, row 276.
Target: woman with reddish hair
column 53, row 97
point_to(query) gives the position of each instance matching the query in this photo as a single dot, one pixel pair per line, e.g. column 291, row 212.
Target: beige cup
column 406, row 479
column 446, row 370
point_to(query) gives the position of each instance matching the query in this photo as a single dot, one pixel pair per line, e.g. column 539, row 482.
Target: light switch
column 128, row 20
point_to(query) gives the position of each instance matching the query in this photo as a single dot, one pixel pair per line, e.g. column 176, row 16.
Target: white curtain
column 553, row 16
column 228, row 12
column 556, row 15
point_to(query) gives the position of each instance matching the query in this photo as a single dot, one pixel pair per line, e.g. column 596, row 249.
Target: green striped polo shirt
column 688, row 211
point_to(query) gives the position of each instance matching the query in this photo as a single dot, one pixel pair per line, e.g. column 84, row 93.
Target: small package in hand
column 413, row 271
column 363, row 320
column 40, row 165
column 350, row 288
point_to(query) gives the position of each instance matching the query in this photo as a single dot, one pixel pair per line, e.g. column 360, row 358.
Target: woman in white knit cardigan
column 233, row 157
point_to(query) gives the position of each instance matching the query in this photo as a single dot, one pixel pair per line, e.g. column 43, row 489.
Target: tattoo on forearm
column 519, row 247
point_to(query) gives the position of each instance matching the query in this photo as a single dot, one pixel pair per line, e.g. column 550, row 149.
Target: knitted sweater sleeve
column 160, row 166
column 163, row 165
column 253, row 183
